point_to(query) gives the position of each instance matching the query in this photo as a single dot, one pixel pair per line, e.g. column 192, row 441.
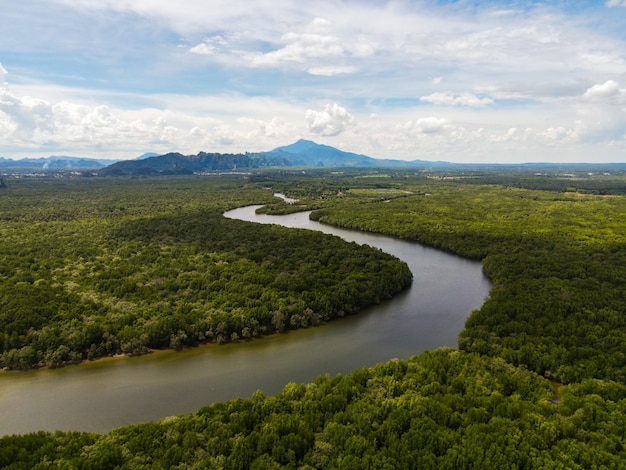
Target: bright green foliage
column 95, row 268
column 557, row 260
column 445, row 409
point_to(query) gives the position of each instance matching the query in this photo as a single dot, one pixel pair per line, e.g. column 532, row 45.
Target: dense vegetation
column 557, row 260
column 446, row 410
column 94, row 269
column 539, row 380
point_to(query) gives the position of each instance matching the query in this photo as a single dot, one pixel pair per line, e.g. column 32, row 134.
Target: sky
column 460, row 81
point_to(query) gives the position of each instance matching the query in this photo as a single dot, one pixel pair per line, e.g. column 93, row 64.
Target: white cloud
column 562, row 134
column 275, row 128
column 35, row 122
column 429, row 125
column 24, row 115
column 615, row 3
column 302, row 47
column 538, row 53
column 186, row 124
column 330, row 122
column 464, row 99
column 607, row 90
column 412, row 40
column 210, row 46
column 330, row 70
column 320, row 48
column 510, row 135
column 557, row 133
column 434, row 130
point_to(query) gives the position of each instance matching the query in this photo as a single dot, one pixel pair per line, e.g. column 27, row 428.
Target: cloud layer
column 459, row 81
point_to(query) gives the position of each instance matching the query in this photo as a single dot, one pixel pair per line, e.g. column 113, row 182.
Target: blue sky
column 461, row 81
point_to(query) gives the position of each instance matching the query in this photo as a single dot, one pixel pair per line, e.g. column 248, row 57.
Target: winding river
column 112, row 392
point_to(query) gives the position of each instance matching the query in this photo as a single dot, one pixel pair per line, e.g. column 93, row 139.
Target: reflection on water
column 101, row 395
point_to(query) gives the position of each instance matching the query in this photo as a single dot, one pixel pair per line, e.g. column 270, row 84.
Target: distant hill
column 52, row 163
column 303, row 153
column 178, row 164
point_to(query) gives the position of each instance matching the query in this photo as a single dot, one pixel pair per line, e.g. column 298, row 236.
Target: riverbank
column 112, row 392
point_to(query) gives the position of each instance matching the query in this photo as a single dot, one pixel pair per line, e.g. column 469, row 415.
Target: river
column 112, row 392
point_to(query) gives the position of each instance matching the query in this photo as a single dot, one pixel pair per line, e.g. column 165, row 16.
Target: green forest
column 94, row 267
column 557, row 261
column 91, row 269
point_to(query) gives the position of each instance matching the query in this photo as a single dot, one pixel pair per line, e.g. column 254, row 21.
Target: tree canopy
column 91, row 269
column 538, row 380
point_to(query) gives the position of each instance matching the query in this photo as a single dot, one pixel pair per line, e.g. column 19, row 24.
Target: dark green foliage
column 446, row 409
column 156, row 265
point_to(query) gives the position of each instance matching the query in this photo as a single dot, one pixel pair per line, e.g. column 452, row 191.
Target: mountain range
column 303, row 153
column 53, row 163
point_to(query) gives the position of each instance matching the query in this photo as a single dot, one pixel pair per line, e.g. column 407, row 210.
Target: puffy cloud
column 564, row 134
column 319, row 47
column 431, row 138
column 31, row 123
column 177, row 122
column 615, row 3
column 332, row 121
column 24, row 115
column 464, row 99
column 607, row 90
column 510, row 135
column 557, row 133
column 303, row 47
column 438, row 135
column 429, row 125
column 218, row 135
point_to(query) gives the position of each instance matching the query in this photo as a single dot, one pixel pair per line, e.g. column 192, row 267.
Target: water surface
column 112, row 392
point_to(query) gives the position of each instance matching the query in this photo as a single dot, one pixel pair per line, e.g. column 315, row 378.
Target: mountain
column 308, row 153
column 178, row 164
column 147, row 155
column 301, row 153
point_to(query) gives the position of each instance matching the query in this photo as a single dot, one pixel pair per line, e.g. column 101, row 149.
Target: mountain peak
column 308, row 153
column 299, row 146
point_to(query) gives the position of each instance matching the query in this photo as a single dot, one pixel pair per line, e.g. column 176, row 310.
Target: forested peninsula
column 94, row 268
column 538, row 380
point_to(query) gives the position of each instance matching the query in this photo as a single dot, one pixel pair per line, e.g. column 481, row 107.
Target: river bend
column 112, row 392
